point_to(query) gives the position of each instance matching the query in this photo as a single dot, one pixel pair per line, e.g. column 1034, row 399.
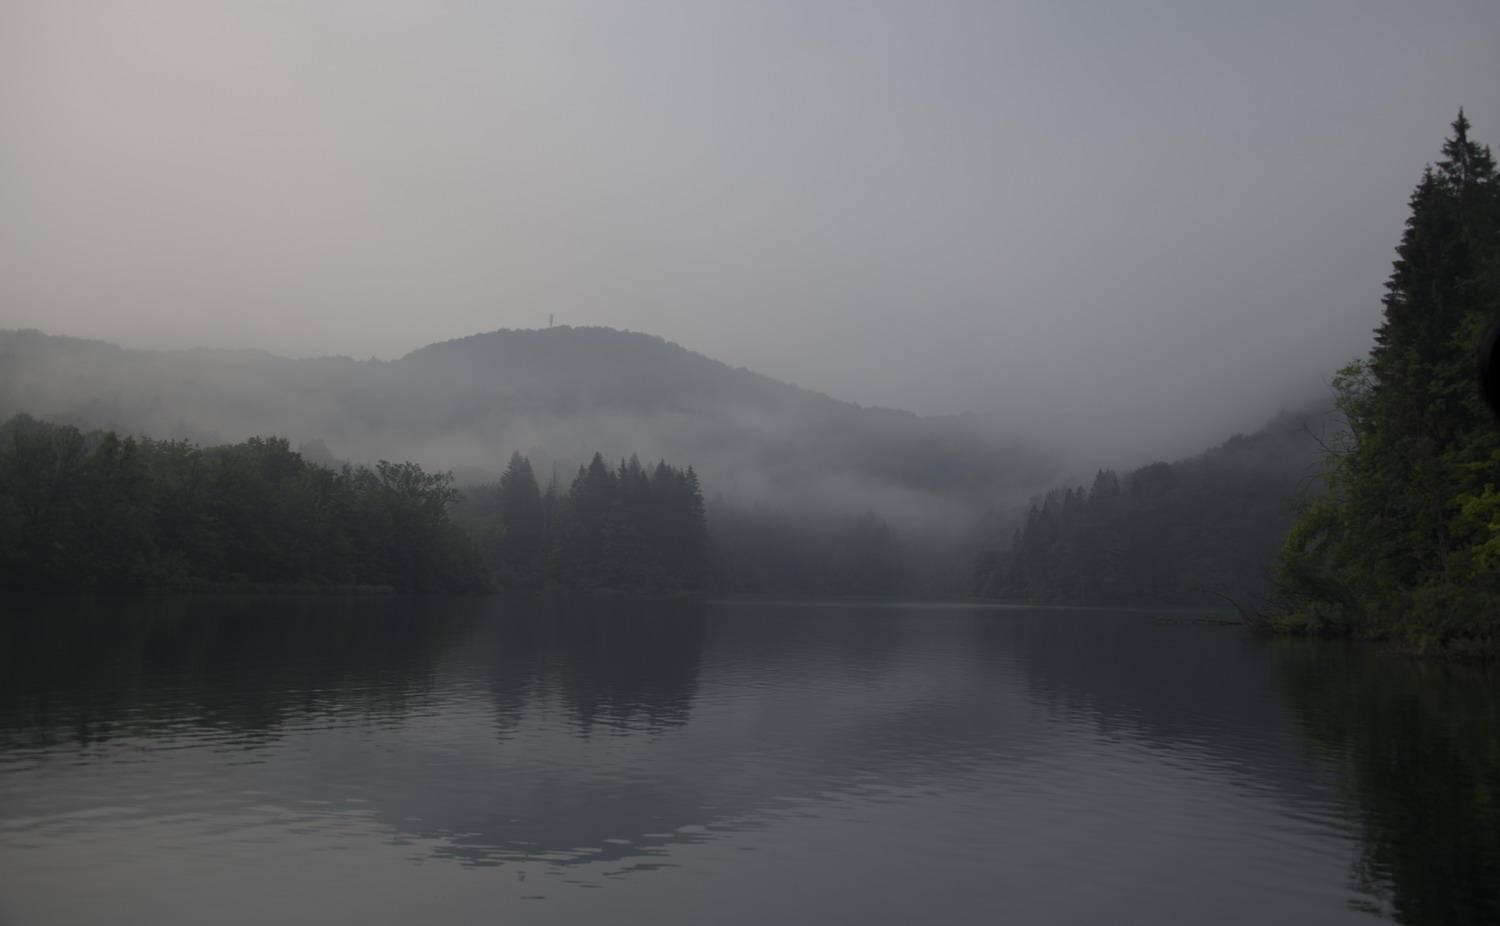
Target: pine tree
column 523, row 521
column 1396, row 547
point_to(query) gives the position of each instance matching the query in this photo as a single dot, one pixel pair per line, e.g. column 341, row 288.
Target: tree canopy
column 1196, row 531
column 97, row 511
column 1404, row 543
column 627, row 528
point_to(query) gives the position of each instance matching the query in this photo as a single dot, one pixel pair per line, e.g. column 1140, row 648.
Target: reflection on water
column 382, row 760
column 1417, row 747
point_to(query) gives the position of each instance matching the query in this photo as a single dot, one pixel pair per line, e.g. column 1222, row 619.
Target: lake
column 387, row 760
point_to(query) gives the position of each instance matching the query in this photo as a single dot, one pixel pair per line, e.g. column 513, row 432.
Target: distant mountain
column 556, row 394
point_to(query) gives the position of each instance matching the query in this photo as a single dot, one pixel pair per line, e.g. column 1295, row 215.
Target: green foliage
column 97, row 512
column 1405, row 544
column 1478, row 525
column 1192, row 532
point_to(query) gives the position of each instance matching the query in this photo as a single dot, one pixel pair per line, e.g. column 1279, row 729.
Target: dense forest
column 1404, row 541
column 93, row 511
column 1199, row 531
column 805, row 494
column 630, row 528
column 98, row 512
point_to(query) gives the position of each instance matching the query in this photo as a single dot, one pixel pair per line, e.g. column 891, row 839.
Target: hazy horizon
column 1125, row 232
column 1076, row 460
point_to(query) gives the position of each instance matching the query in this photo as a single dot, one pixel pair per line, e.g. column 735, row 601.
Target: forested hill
column 601, row 368
column 1196, row 531
column 556, row 394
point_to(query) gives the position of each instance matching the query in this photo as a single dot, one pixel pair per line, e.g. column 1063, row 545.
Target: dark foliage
column 1199, row 531
column 1405, row 542
column 627, row 529
column 98, row 512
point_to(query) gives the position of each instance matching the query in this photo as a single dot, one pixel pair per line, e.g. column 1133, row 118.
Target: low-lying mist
column 812, row 494
column 556, row 395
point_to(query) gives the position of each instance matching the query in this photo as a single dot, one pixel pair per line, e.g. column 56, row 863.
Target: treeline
column 1193, row 532
column 1404, row 544
column 99, row 512
column 627, row 528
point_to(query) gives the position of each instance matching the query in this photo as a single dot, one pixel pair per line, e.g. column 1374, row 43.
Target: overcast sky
column 1162, row 218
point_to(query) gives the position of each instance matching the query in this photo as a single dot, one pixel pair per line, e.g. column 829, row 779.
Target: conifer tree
column 1398, row 546
column 523, row 519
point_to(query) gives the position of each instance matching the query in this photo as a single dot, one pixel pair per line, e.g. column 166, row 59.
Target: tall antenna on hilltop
column 549, row 319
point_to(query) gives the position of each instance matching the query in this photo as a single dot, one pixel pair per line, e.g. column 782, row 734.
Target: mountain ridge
column 558, row 394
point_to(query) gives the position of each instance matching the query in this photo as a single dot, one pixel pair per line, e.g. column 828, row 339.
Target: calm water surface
column 488, row 761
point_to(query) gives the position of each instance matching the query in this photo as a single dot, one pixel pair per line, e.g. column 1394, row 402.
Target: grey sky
column 1155, row 218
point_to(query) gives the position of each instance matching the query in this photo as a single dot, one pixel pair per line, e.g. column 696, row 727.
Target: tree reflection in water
column 1417, row 747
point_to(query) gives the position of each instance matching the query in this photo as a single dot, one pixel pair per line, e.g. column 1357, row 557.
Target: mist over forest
column 557, row 395
column 805, row 494
column 749, row 461
column 928, row 268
